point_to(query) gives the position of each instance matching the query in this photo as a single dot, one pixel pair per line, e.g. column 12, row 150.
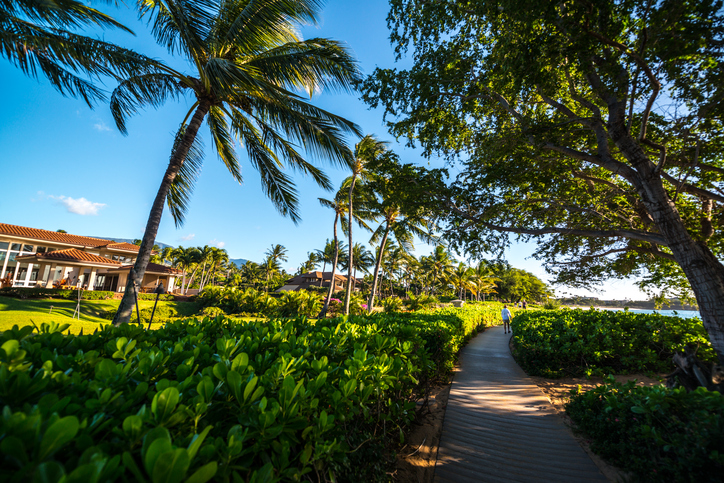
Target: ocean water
column 684, row 314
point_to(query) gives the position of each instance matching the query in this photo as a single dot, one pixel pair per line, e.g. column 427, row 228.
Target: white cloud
column 80, row 206
column 218, row 244
column 40, row 196
column 188, row 237
column 101, row 126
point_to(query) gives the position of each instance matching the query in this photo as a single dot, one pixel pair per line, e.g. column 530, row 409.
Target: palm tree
column 277, row 252
column 184, row 259
column 339, row 208
column 34, row 37
column 248, row 62
column 439, row 265
column 403, row 229
column 368, row 149
column 460, row 277
column 362, row 259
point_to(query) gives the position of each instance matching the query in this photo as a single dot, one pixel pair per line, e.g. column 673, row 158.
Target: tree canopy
column 593, row 127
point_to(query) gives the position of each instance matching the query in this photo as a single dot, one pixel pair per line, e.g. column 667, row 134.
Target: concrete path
column 499, row 427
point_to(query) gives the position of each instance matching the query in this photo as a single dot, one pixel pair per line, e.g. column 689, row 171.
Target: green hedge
column 575, row 342
column 50, row 293
column 657, row 434
column 220, row 399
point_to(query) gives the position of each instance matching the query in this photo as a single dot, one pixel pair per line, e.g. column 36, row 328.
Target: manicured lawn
column 29, row 311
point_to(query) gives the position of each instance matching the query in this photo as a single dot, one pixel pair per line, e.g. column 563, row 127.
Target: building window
column 4, row 245
column 28, row 248
column 15, row 246
column 41, row 249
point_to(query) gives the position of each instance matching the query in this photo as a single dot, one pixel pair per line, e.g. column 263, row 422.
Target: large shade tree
column 593, row 127
column 249, row 70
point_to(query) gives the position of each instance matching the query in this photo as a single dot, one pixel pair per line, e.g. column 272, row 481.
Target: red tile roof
column 67, row 238
column 122, row 246
column 153, row 268
column 72, row 255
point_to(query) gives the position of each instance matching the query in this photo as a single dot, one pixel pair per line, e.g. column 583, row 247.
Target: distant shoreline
column 614, row 307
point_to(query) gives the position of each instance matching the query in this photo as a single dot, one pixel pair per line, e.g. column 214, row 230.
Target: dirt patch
column 558, row 392
column 416, row 459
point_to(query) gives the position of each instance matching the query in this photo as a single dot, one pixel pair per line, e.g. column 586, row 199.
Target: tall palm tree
column 368, row 149
column 439, row 265
column 251, row 274
column 36, row 37
column 337, row 204
column 248, row 62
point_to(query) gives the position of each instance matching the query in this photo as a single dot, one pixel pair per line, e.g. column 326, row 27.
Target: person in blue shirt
column 507, row 317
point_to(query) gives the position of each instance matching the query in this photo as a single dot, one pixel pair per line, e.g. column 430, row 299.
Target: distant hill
column 238, row 261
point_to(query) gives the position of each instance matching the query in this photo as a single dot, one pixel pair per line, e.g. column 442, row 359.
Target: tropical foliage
column 219, row 399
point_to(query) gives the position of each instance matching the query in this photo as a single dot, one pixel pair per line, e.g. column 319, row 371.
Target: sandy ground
column 416, row 459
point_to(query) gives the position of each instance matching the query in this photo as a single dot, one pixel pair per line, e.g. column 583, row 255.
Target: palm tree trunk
column 323, row 313
column 351, row 256
column 370, row 305
column 135, row 276
column 191, row 279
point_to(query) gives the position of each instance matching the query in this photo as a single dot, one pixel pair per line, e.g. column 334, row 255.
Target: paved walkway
column 499, row 427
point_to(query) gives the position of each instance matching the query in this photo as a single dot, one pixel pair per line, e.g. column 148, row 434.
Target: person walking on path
column 507, row 316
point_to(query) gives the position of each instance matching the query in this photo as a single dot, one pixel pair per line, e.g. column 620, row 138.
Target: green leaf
column 240, row 362
column 164, row 403
column 205, row 388
column 171, row 466
column 220, row 370
column 155, row 450
column 233, row 380
column 203, row 474
column 57, row 435
column 638, row 410
column 10, row 347
column 49, row 472
column 132, row 426
column 250, row 387
column 197, row 441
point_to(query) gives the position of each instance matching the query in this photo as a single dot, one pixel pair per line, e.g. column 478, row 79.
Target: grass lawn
column 29, row 311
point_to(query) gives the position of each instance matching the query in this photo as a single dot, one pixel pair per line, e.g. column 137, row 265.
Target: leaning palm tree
column 365, row 151
column 249, row 66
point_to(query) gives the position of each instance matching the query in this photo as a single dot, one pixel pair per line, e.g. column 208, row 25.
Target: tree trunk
column 703, row 270
column 323, row 313
column 371, row 303
column 348, row 295
column 135, row 276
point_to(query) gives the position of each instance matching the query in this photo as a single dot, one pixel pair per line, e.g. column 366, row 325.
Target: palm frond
column 224, row 142
column 185, row 181
column 143, row 90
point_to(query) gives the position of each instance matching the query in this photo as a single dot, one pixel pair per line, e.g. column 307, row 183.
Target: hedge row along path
column 500, row 427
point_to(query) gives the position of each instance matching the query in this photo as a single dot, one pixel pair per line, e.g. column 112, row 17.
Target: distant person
column 524, row 304
column 507, row 316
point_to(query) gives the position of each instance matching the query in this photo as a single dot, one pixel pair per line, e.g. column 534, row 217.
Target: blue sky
column 66, row 166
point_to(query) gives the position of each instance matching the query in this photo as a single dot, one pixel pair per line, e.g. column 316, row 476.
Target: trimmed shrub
column 656, row 433
column 220, row 399
column 593, row 342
